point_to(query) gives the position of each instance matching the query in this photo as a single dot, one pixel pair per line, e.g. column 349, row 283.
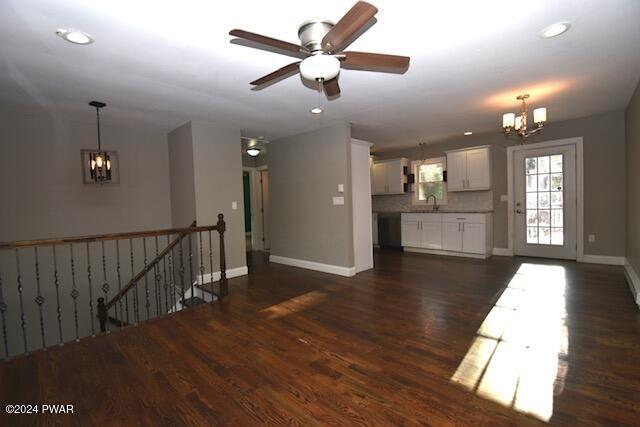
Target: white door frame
column 577, row 142
column 255, row 197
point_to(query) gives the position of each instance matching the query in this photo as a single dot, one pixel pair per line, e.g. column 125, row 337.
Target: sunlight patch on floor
column 518, row 357
column 293, row 305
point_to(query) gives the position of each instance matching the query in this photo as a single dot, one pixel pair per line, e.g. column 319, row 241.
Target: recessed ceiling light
column 253, row 152
column 467, row 133
column 316, row 110
column 75, row 36
column 555, row 29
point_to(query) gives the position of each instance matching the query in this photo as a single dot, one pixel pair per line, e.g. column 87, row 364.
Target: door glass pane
column 544, row 200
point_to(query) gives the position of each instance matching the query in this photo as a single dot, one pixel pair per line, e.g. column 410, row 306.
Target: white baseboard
column 448, row 253
column 603, row 259
column 316, row 266
column 634, row 281
column 231, row 272
column 502, row 252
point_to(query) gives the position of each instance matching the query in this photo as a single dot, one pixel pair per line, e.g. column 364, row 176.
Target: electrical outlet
column 592, row 238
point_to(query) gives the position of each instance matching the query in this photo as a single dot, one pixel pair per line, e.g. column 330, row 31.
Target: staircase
column 54, row 291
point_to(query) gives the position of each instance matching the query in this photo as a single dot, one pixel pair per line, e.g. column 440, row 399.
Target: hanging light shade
column 99, row 161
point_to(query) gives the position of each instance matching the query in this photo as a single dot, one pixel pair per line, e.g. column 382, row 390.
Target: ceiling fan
column 321, row 50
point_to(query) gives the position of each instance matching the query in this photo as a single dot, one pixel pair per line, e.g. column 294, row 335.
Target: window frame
column 415, row 166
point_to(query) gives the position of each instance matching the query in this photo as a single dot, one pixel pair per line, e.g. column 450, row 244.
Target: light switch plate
column 592, row 238
column 234, row 205
column 340, row 188
column 338, row 200
column 504, row 197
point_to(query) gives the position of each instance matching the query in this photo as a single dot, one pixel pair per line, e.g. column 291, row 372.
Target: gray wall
column 304, row 172
column 604, row 177
column 217, row 163
column 41, row 178
column 206, row 177
column 183, row 195
column 633, row 180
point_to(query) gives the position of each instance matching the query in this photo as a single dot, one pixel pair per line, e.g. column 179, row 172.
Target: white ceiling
column 164, row 62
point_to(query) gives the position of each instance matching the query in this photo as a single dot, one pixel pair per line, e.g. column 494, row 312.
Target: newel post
column 103, row 314
column 224, row 287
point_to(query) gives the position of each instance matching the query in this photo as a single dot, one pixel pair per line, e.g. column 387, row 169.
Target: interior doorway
column 256, row 201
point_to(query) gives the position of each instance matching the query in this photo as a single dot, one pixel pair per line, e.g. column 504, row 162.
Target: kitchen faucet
column 435, row 202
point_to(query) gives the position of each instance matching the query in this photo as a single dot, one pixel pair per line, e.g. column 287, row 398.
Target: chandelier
column 99, row 161
column 517, row 125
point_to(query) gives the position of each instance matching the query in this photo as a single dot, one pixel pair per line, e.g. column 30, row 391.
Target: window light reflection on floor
column 518, row 357
column 295, row 304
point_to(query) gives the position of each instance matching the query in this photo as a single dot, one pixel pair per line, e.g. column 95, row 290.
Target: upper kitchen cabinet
column 389, row 176
column 469, row 169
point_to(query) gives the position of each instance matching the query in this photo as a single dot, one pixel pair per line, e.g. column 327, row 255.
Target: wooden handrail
column 135, row 279
column 103, row 237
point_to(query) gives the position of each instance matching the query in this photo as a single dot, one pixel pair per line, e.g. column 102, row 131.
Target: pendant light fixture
column 517, row 125
column 99, row 161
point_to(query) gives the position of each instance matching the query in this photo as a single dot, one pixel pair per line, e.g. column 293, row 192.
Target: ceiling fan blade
column 268, row 41
column 331, row 87
column 287, row 69
column 375, row 61
column 346, row 27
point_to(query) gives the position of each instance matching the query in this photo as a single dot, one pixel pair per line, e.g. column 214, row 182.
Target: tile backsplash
column 462, row 200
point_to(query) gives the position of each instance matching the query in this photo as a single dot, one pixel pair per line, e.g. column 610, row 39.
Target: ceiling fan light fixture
column 253, row 152
column 554, row 30
column 320, row 67
column 75, row 36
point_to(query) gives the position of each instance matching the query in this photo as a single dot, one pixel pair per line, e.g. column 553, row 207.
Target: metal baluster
column 56, row 283
column 136, row 311
column 182, row 273
column 157, row 278
column 23, row 323
column 211, row 263
column 39, row 299
column 74, row 293
column 3, row 308
column 172, row 288
column 93, row 326
column 166, row 286
column 201, row 262
column 191, row 265
column 120, row 285
column 105, row 285
column 146, row 282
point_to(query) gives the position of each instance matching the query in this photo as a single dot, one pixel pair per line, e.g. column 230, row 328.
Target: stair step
column 117, row 322
column 192, row 301
column 209, row 288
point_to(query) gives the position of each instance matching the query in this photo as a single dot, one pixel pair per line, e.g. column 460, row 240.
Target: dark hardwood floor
column 418, row 340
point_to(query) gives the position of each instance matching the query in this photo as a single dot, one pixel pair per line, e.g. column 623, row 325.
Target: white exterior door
column 545, row 202
column 452, row 236
column 478, row 169
column 456, row 170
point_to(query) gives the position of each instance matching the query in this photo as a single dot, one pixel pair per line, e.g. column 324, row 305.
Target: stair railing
column 49, row 271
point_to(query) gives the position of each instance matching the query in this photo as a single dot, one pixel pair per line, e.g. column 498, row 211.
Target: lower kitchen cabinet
column 447, row 233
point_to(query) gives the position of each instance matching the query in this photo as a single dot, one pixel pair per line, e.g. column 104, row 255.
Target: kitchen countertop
column 441, row 210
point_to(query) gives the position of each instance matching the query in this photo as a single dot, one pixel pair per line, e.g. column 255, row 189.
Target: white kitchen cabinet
column 431, row 235
column 388, row 177
column 469, row 169
column 452, row 236
column 411, row 233
column 447, row 233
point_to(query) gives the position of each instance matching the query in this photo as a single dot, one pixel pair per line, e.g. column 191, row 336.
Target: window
column 545, row 209
column 429, row 175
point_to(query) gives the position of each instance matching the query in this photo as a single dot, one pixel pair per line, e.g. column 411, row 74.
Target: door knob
column 519, row 211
